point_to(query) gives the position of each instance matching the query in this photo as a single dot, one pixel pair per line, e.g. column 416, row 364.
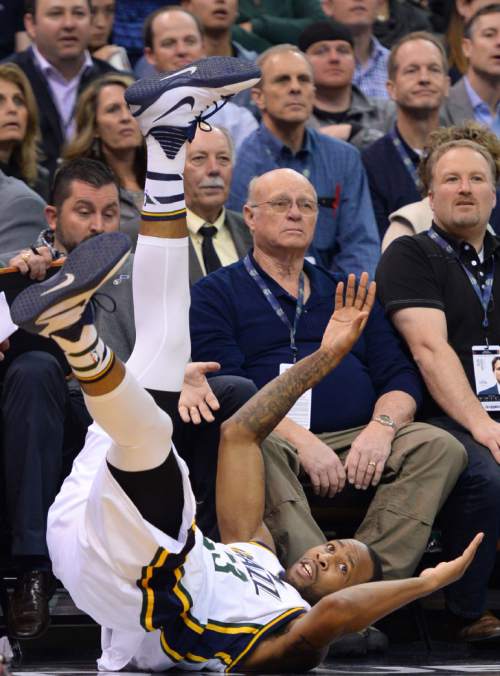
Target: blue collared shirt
column 232, row 322
column 482, row 112
column 346, row 237
column 371, row 77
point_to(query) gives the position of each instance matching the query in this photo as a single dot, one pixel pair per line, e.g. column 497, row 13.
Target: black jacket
column 50, row 122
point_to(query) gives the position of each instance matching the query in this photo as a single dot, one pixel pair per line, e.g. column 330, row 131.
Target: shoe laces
column 200, row 121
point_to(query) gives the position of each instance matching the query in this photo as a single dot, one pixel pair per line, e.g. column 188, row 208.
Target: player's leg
column 142, row 433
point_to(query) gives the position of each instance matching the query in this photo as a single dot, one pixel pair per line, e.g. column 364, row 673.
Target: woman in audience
column 106, row 131
column 19, row 130
column 101, row 26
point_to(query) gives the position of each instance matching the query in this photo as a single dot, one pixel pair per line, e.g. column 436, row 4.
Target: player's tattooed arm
column 260, row 415
column 240, row 492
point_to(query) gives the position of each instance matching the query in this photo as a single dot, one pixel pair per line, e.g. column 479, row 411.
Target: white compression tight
column 141, row 432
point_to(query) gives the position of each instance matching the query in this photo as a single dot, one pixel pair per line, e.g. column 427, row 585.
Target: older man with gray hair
column 217, row 235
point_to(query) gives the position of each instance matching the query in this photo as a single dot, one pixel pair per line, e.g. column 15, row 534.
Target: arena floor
column 368, row 666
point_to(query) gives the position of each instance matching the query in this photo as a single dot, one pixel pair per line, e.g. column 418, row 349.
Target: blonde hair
column 85, row 143
column 468, row 135
column 25, row 154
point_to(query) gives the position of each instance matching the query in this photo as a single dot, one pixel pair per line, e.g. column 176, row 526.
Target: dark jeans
column 198, row 444
column 43, row 429
column 473, row 506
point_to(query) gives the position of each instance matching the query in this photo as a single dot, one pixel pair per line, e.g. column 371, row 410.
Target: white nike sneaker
column 59, row 302
column 169, row 107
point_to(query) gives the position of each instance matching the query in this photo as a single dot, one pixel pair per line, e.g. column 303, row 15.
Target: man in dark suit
column 476, row 96
column 58, row 66
column 217, row 235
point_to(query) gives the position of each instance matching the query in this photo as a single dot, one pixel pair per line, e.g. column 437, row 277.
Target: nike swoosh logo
column 189, row 69
column 186, row 101
column 70, row 278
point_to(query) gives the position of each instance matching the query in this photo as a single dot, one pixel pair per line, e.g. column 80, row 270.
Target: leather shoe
column 486, row 628
column 366, row 641
column 29, row 604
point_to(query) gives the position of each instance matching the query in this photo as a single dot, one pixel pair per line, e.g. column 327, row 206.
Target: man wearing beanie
column 340, row 108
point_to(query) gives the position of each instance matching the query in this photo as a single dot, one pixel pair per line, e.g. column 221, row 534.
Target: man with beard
column 439, row 289
column 418, row 84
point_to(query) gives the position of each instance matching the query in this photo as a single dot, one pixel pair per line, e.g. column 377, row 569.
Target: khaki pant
column 420, row 472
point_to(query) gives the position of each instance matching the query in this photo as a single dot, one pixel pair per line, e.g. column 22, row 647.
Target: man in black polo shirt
column 440, row 288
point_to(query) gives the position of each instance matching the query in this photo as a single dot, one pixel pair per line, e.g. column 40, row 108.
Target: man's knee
column 36, row 376
column 432, row 446
column 232, row 392
column 34, row 368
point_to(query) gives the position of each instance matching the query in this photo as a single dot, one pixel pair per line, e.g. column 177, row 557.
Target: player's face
column 496, row 371
column 329, row 567
column 86, row 212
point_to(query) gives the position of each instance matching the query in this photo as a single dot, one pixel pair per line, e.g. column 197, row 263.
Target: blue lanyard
column 484, row 294
column 271, row 299
column 405, row 158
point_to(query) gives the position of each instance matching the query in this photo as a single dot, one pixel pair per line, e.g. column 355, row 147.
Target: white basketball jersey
column 162, row 602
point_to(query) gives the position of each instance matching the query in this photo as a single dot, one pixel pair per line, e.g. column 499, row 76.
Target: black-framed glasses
column 284, row 204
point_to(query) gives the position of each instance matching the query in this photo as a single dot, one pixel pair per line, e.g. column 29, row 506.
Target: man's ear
column 51, row 216
column 258, row 98
column 248, row 217
column 466, row 47
column 150, row 57
column 389, row 85
column 30, row 25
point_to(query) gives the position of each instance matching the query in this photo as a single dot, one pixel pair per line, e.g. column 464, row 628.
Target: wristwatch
column 385, row 420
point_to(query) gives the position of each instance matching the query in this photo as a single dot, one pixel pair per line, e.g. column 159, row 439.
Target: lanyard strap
column 483, row 294
column 273, row 302
column 405, row 158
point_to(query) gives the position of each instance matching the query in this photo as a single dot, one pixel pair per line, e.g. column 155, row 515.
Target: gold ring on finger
column 25, row 256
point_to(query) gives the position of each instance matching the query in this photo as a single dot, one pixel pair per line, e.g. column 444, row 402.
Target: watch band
column 385, row 420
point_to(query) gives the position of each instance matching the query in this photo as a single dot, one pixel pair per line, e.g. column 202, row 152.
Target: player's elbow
column 342, row 614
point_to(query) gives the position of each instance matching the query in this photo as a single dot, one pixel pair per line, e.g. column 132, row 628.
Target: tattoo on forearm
column 269, row 406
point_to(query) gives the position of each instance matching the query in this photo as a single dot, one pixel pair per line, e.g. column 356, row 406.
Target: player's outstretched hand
column 197, row 401
column 350, row 315
column 449, row 571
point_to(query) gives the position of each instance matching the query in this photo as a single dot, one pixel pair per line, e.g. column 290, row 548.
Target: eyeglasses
column 284, row 204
